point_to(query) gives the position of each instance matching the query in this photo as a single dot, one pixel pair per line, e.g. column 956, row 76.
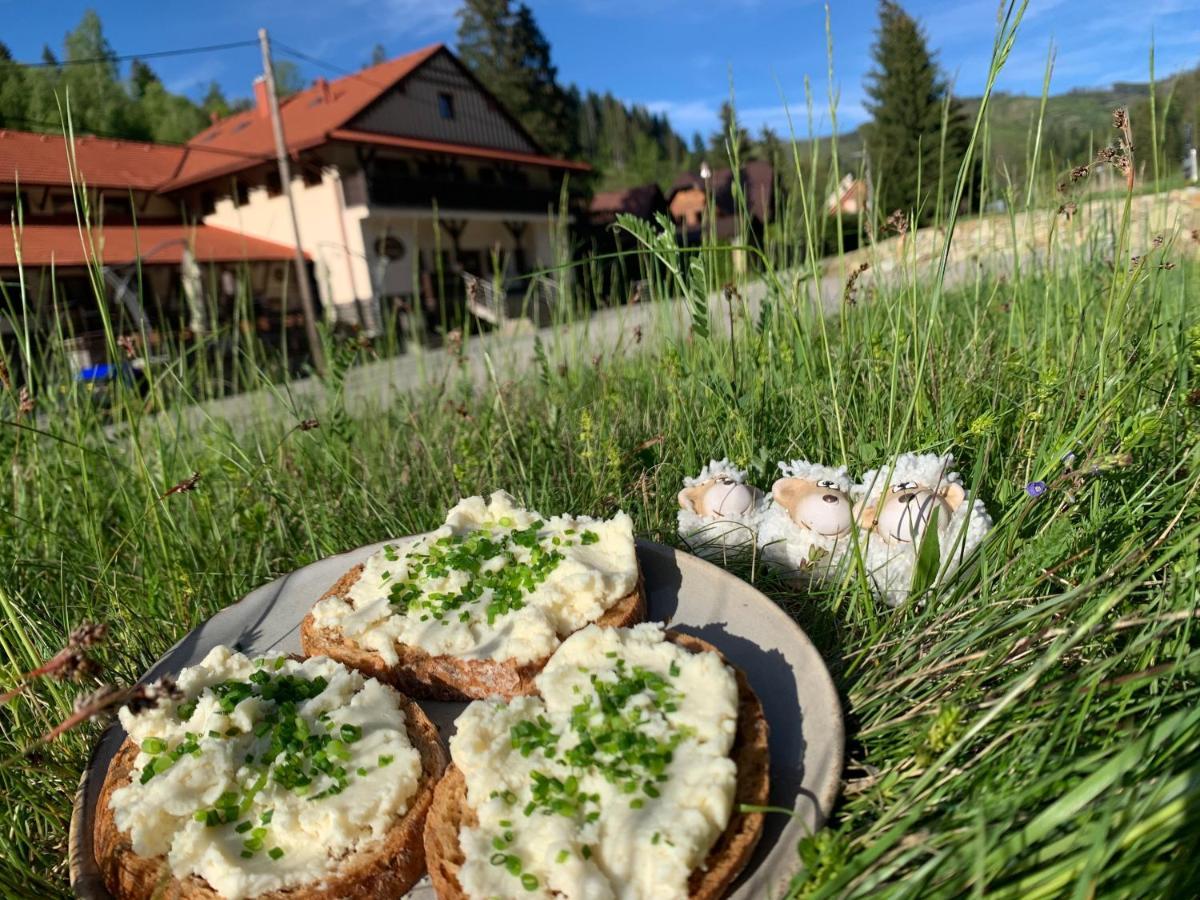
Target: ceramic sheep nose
column 821, row 507
column 719, row 498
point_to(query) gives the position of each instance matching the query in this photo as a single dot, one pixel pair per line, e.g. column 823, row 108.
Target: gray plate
column 690, row 594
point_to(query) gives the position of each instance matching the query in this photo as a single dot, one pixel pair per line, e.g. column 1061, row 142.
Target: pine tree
column 14, row 111
column 506, row 49
column 91, row 86
column 771, row 148
column 908, row 98
column 288, row 79
column 732, row 141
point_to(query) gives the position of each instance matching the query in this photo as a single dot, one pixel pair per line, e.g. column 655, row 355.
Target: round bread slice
column 384, row 870
column 728, row 856
column 426, row 676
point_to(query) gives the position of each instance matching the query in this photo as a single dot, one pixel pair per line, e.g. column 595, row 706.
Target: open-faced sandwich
column 625, row 778
column 272, row 779
column 475, row 608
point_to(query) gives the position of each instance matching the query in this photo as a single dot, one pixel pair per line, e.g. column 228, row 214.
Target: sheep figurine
column 805, row 531
column 895, row 505
column 719, row 511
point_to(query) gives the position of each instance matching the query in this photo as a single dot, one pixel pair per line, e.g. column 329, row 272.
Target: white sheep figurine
column 894, row 505
column 805, row 530
column 719, row 511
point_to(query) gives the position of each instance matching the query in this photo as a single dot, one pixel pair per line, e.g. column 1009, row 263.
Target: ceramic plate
column 688, row 593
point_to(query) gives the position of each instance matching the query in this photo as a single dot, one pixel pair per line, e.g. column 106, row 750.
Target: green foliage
column 1177, row 115
column 138, row 107
column 505, row 48
column 918, row 134
column 628, row 144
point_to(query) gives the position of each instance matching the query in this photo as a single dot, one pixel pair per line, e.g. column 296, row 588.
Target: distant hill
column 1076, row 124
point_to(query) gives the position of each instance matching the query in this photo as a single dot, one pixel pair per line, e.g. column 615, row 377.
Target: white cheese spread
column 614, row 783
column 496, row 581
column 267, row 772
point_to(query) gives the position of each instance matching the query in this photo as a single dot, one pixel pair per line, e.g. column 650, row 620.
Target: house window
column 446, row 105
column 274, row 184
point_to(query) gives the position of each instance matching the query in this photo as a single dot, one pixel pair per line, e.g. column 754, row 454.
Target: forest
column 626, row 143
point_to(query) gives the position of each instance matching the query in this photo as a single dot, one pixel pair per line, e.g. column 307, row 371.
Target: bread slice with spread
column 475, row 608
column 273, row 778
column 626, row 777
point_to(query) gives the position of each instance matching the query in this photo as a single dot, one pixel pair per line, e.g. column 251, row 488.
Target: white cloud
column 687, row 115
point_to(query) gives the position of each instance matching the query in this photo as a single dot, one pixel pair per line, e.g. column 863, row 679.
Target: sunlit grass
column 1029, row 729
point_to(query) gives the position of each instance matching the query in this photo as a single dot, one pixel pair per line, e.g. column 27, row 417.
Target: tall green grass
column 1030, row 729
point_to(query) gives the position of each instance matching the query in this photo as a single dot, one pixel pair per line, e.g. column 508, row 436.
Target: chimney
column 322, row 85
column 261, row 100
column 213, row 118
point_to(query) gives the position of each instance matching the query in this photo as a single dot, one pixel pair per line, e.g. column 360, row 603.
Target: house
column 151, row 256
column 851, row 195
column 692, row 197
column 405, row 175
column 643, row 201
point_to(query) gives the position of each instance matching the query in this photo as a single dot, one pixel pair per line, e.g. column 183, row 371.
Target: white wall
column 341, row 241
column 328, row 233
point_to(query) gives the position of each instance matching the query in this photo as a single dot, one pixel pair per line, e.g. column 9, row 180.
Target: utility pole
column 285, row 178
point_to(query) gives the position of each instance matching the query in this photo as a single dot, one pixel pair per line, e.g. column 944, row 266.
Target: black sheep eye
column 827, row 484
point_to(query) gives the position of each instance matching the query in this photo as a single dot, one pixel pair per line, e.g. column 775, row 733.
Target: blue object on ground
column 98, row 372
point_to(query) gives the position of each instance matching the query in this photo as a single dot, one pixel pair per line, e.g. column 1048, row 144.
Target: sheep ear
column 954, row 494
column 786, row 491
column 865, row 515
column 689, row 495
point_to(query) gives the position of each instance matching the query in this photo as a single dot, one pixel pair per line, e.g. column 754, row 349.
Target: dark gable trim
column 493, row 102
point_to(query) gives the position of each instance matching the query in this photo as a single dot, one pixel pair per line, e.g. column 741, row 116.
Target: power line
column 341, row 70
column 153, row 54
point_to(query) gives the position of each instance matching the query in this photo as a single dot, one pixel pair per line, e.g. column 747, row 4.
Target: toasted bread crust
column 428, row 677
column 731, row 852
column 382, row 871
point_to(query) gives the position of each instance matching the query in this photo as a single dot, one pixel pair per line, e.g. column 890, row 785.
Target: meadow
column 1029, row 728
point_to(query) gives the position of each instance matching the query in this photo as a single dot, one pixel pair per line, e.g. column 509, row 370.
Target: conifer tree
column 506, row 49
column 908, row 98
column 731, row 130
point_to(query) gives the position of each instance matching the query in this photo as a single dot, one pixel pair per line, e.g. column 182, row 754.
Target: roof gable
column 412, row 109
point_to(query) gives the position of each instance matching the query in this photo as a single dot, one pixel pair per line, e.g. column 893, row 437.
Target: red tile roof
column 308, row 118
column 42, row 159
column 388, row 140
column 61, row 245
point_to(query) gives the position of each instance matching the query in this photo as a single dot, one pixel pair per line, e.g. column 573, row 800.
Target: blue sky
column 675, row 56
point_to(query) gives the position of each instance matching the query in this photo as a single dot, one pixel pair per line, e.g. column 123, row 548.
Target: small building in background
column 851, row 196
column 644, row 201
column 690, row 197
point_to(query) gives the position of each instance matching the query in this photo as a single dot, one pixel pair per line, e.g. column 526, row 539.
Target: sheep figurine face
column 821, row 506
column 904, row 511
column 719, row 497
